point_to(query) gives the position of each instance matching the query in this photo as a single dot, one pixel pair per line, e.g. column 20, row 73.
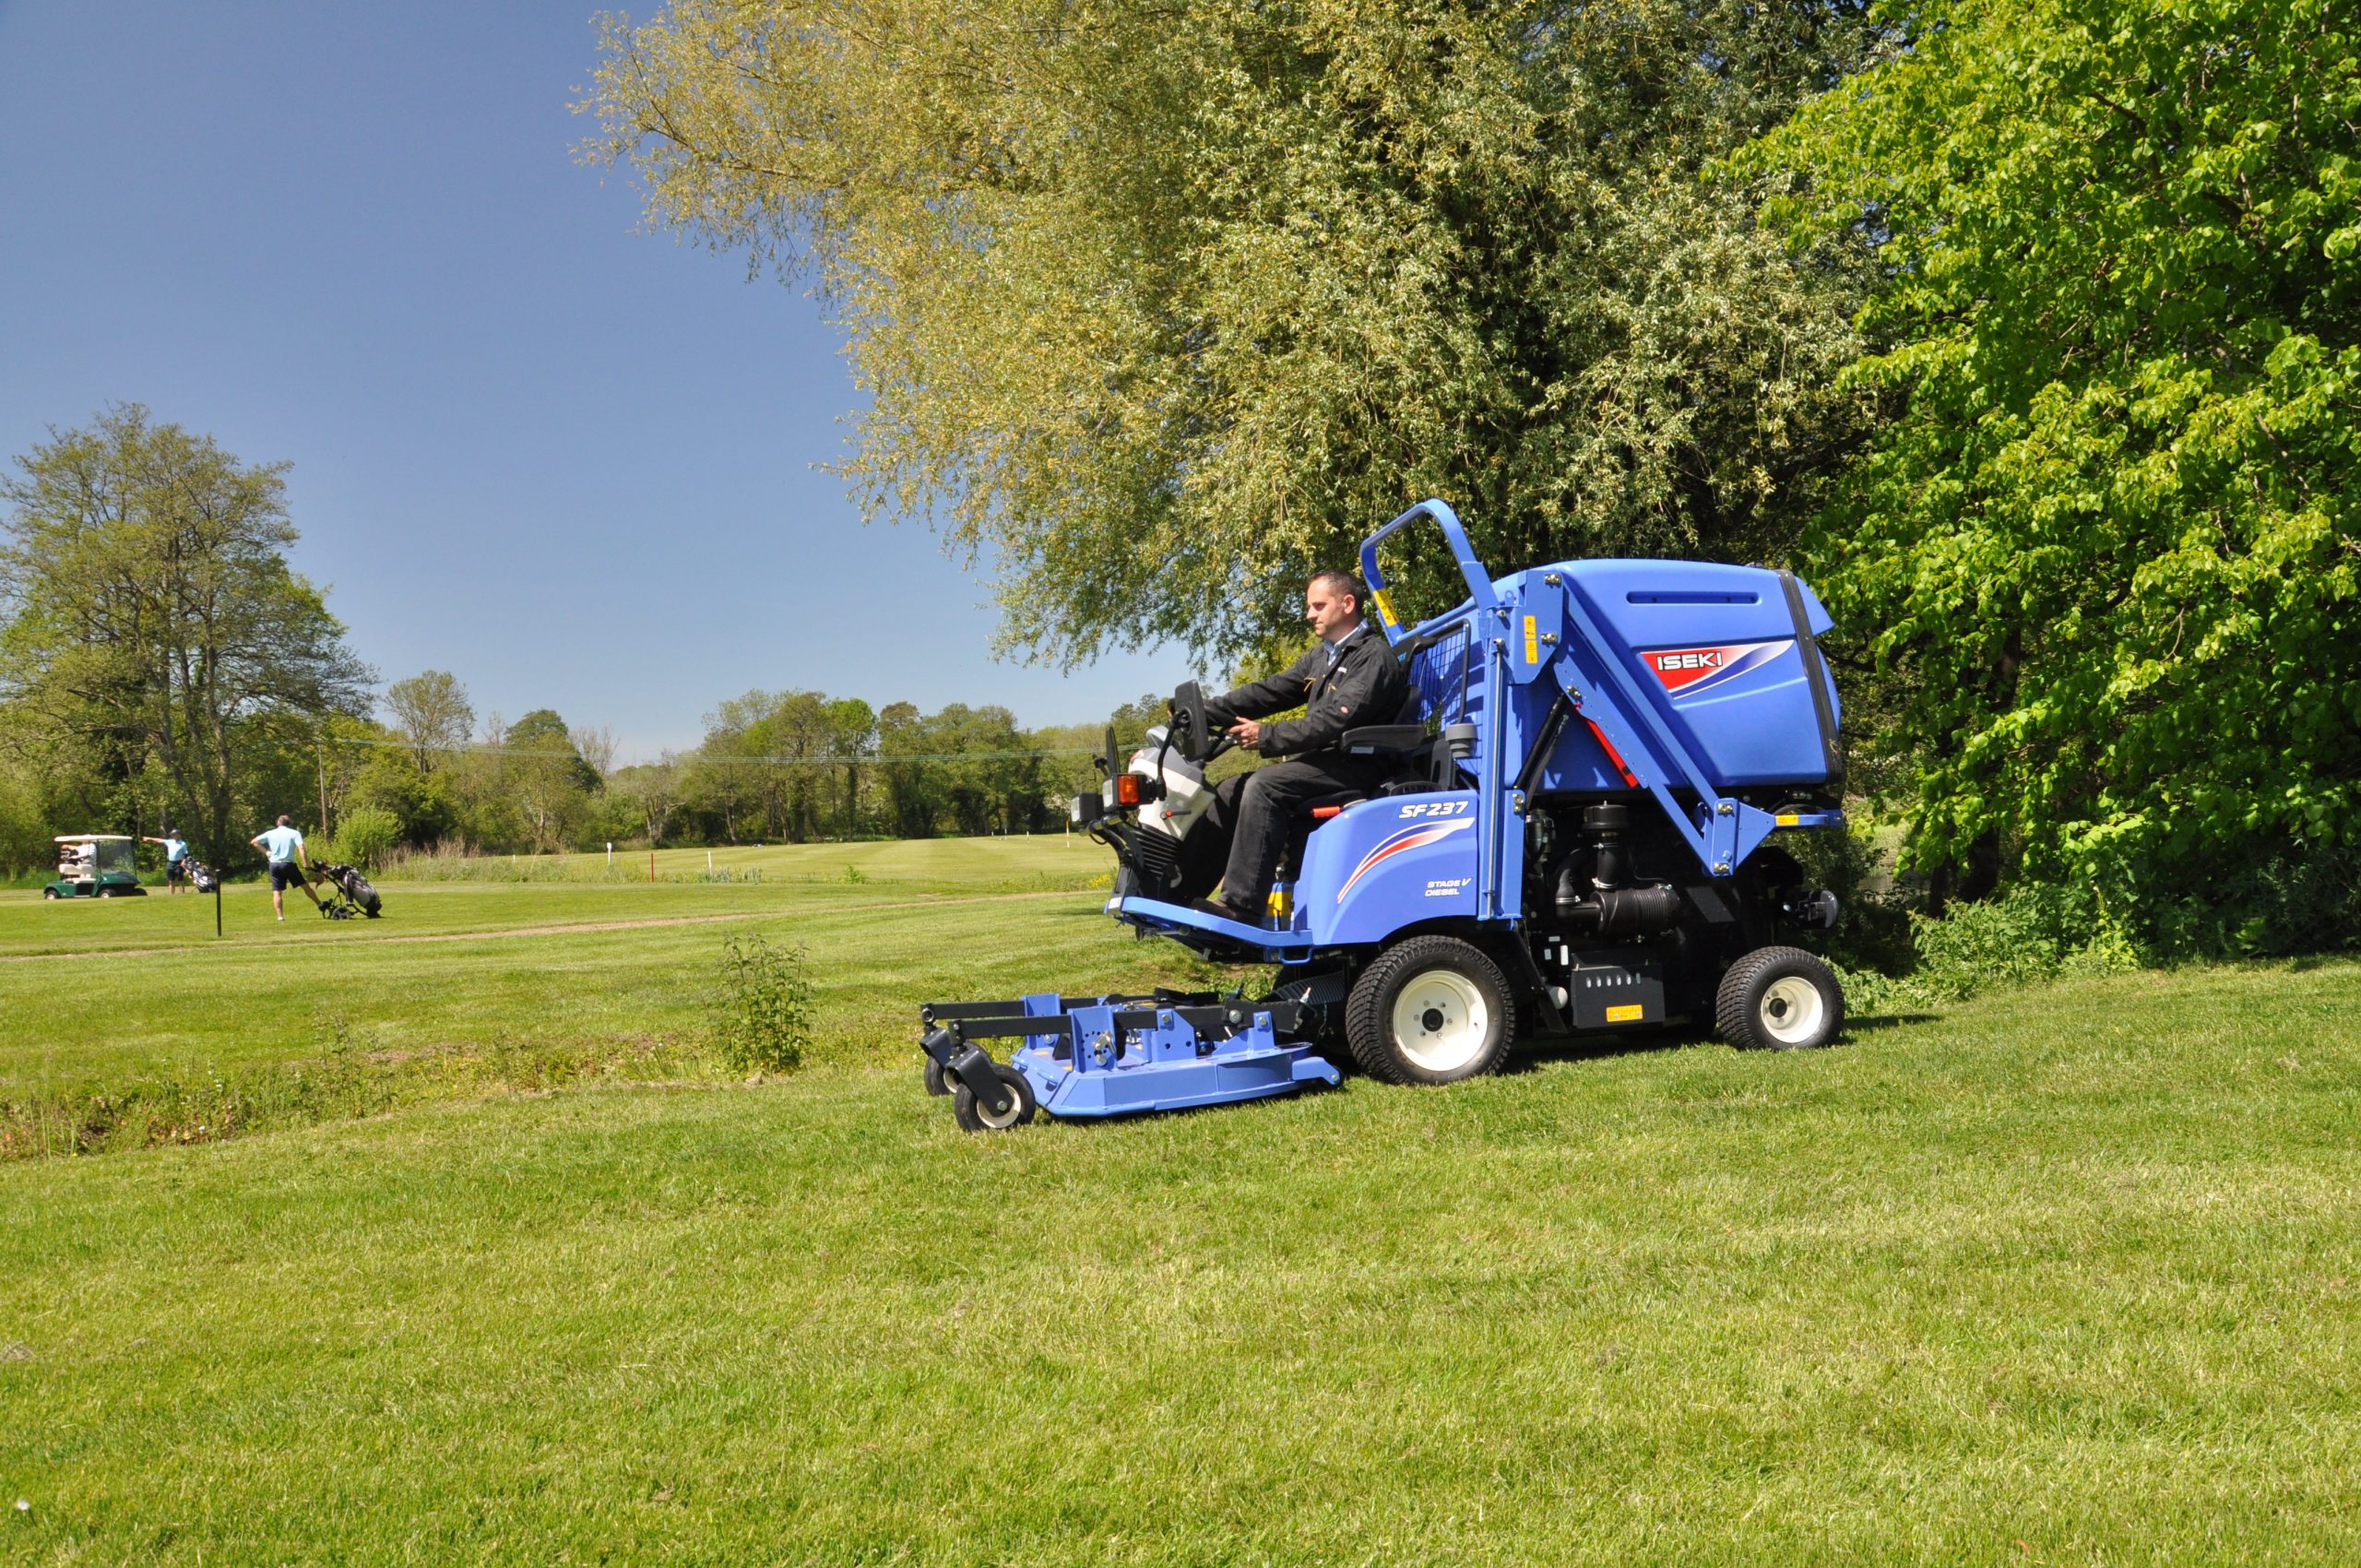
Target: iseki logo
column 1694, row 659
column 1684, row 672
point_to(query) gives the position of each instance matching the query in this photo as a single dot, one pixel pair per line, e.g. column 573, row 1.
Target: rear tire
column 1779, row 999
column 49, row 895
column 975, row 1118
column 1431, row 1009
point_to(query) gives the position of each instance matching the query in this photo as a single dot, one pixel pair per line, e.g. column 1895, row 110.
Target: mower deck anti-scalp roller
column 1574, row 833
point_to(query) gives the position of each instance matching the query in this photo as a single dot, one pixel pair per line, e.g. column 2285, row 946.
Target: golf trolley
column 349, row 893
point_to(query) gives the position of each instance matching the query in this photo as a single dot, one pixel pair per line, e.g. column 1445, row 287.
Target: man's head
column 1332, row 602
column 283, row 822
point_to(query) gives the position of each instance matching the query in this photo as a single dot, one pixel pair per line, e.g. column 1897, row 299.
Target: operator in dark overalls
column 1349, row 678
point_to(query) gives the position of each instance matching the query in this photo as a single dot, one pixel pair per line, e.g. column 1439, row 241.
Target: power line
column 486, row 748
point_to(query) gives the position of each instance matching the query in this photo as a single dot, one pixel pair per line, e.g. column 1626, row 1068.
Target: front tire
column 974, row 1117
column 1779, row 999
column 1431, row 1009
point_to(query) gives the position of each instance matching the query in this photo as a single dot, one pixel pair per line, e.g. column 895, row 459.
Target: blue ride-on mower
column 1579, row 836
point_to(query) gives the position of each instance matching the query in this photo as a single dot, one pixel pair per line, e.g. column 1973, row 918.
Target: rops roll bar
column 1479, row 581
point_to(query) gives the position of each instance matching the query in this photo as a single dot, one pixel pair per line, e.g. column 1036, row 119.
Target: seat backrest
column 1439, row 666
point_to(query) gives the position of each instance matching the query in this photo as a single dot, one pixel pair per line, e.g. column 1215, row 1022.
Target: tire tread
column 1366, row 1009
column 1734, row 1018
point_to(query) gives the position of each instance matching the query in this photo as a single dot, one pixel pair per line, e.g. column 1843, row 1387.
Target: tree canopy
column 2106, row 548
column 431, row 714
column 154, row 645
column 1162, row 308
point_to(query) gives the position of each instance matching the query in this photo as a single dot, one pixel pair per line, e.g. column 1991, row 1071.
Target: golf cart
column 96, row 865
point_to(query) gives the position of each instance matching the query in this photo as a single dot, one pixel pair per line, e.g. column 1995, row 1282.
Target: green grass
column 129, row 1022
column 2071, row 1275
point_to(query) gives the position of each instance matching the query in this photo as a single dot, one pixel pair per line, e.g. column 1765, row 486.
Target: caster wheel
column 934, row 1082
column 975, row 1117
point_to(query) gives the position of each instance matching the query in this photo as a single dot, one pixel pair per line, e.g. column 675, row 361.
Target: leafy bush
column 763, row 1012
column 2035, row 933
column 365, row 838
column 2299, row 900
column 2103, row 552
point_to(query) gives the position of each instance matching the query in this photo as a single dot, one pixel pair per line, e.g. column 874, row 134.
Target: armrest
column 1384, row 740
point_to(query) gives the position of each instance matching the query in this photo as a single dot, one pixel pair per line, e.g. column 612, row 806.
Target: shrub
column 2301, row 899
column 365, row 837
column 762, row 1009
column 2036, row 933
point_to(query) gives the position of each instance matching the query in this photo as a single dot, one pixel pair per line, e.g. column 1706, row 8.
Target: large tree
column 432, row 715
column 2109, row 549
column 547, row 777
column 149, row 624
column 1161, row 306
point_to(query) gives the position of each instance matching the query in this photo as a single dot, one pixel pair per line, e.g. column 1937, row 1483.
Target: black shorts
column 285, row 874
column 177, row 871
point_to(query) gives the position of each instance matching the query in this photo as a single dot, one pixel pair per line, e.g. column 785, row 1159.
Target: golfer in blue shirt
column 285, row 848
column 176, row 858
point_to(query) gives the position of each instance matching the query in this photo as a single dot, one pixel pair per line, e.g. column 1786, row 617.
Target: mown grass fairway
column 571, row 975
column 2067, row 1275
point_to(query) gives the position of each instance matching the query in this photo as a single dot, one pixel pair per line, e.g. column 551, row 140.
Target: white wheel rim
column 1792, row 1010
column 1441, row 1021
column 1008, row 1118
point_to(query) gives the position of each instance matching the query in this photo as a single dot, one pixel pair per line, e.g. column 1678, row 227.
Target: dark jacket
column 1364, row 686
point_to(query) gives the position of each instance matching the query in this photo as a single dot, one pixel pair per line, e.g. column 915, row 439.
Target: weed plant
column 762, row 1009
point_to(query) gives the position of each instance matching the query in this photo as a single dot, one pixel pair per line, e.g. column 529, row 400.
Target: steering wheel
column 1189, row 720
column 1191, row 727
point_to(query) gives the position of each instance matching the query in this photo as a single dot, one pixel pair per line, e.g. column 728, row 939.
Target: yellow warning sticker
column 1532, row 641
column 1786, row 819
column 1385, row 607
column 1630, row 1013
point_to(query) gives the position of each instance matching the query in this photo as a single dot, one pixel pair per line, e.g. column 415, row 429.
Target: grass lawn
column 127, row 1020
column 2067, row 1275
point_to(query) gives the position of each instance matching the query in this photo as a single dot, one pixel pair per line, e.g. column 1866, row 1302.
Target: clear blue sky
column 570, row 462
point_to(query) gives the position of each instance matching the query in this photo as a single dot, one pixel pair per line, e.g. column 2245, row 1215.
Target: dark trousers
column 1258, row 813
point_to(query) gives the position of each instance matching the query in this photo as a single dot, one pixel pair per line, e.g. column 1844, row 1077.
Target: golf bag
column 349, row 892
column 202, row 878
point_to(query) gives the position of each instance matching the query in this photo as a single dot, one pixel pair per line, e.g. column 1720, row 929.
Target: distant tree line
column 774, row 766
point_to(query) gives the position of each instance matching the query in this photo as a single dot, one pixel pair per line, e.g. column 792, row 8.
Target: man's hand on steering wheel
column 1246, row 732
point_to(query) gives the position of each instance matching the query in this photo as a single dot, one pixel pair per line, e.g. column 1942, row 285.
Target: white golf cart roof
column 95, row 838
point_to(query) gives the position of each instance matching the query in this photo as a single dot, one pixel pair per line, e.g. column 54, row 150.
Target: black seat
column 1422, row 759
